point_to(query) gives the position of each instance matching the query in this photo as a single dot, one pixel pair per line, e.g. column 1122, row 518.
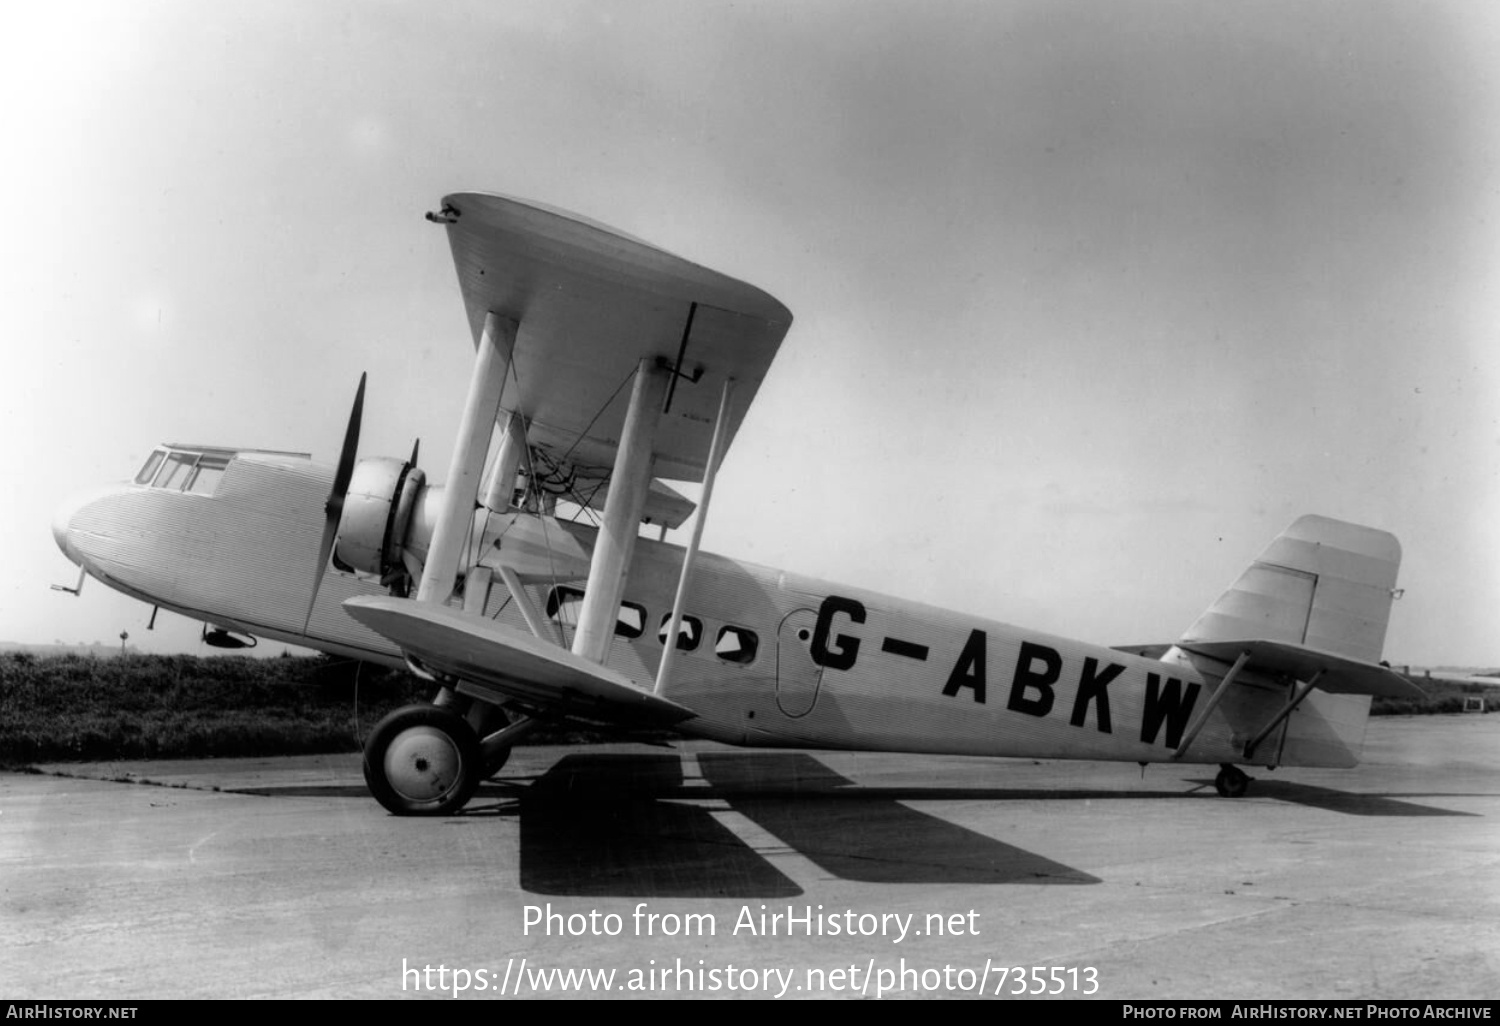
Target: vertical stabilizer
column 1322, row 583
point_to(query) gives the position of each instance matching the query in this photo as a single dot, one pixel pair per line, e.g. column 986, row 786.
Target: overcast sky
column 1092, row 299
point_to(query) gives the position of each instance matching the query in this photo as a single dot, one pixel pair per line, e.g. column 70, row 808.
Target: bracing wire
column 599, row 413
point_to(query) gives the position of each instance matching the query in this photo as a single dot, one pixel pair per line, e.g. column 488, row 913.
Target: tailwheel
column 1231, row 781
column 422, row 760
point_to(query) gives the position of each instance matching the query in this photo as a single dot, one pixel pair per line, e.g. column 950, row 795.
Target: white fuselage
column 831, row 667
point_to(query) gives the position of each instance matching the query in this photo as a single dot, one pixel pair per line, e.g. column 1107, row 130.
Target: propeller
column 333, row 509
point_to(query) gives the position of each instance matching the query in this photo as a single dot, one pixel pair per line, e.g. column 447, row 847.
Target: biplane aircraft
column 602, row 365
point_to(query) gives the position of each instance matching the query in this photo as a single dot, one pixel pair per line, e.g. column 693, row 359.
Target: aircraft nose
column 62, row 522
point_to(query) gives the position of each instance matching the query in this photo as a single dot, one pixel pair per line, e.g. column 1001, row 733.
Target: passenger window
column 174, row 475
column 564, row 604
column 149, row 470
column 736, row 645
column 631, row 622
column 689, row 632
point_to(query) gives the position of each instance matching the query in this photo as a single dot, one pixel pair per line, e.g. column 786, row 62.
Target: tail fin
column 1322, row 584
column 1312, row 609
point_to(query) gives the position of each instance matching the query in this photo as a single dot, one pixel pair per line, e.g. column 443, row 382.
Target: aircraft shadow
column 1347, row 802
column 631, row 825
column 623, row 824
column 767, row 782
column 596, row 825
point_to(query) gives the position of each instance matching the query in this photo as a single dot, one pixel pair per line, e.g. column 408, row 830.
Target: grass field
column 86, row 707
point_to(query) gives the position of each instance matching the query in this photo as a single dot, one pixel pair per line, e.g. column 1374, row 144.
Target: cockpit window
column 149, row 470
column 205, row 476
column 194, row 472
column 175, row 474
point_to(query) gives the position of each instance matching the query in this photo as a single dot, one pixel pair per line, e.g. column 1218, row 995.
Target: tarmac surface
column 282, row 877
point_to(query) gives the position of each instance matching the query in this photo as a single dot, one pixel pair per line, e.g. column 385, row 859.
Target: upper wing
column 591, row 303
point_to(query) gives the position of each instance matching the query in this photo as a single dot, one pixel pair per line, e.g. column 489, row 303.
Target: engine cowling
column 377, row 516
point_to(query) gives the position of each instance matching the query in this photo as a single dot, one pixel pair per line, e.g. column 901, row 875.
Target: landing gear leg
column 423, row 760
column 493, row 764
column 1231, row 781
column 487, row 718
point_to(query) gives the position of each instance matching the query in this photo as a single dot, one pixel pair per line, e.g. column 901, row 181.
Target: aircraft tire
column 422, row 760
column 1231, row 782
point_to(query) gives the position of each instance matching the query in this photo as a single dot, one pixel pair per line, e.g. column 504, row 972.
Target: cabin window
column 736, row 645
column 689, row 632
column 564, row 604
column 631, row 623
column 149, row 470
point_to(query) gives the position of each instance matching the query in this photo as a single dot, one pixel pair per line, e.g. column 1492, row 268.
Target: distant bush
column 1443, row 696
column 89, row 708
column 145, row 706
column 1415, row 706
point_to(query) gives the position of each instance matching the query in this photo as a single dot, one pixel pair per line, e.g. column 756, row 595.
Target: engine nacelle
column 377, row 514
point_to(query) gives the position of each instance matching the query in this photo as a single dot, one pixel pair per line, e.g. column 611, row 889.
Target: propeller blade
column 415, row 445
column 333, row 509
column 348, row 453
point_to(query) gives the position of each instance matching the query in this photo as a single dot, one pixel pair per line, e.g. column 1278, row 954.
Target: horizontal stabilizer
column 1335, row 674
column 497, row 658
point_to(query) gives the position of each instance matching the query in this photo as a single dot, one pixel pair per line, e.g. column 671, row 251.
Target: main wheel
column 422, row 760
column 1231, row 781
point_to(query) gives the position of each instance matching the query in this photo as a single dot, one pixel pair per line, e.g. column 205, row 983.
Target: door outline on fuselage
column 798, row 675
